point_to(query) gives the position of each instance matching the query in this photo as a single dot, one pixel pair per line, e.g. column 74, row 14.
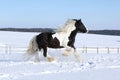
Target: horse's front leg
column 77, row 55
column 72, row 49
column 49, row 58
column 68, row 51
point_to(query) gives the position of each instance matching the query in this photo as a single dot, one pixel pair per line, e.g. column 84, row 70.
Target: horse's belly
column 54, row 43
column 55, row 46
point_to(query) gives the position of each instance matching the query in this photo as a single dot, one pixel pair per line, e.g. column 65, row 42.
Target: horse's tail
column 32, row 50
column 33, row 47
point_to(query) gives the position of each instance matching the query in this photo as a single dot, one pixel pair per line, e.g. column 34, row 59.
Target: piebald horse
column 62, row 38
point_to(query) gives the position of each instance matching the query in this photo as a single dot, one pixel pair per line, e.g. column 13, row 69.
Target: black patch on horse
column 72, row 39
column 45, row 40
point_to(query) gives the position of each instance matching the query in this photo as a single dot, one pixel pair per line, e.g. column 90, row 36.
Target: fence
column 12, row 49
column 100, row 50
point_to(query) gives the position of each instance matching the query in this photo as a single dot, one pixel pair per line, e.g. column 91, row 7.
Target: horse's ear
column 79, row 19
column 75, row 19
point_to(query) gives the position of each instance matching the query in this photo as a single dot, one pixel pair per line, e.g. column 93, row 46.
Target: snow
column 94, row 66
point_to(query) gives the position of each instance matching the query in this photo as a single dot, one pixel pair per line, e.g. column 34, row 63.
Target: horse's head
column 80, row 27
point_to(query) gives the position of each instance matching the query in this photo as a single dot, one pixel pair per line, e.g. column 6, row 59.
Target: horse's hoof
column 66, row 53
column 36, row 60
column 51, row 59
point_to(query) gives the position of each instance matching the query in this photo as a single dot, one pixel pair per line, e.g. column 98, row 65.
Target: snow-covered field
column 94, row 66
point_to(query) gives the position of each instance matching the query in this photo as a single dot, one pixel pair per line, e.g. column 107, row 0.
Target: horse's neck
column 73, row 34
column 70, row 28
column 62, row 35
column 66, row 33
column 66, row 29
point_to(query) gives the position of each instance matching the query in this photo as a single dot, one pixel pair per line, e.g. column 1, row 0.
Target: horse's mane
column 66, row 26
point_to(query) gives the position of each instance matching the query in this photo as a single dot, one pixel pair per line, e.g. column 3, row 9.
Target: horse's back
column 46, row 40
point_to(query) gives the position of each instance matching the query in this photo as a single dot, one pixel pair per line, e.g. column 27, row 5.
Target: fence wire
column 12, row 49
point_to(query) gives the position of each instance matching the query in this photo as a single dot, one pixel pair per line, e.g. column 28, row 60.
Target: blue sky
column 102, row 14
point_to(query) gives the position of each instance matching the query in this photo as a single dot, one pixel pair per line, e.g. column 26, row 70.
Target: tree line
column 103, row 32
column 106, row 32
column 27, row 29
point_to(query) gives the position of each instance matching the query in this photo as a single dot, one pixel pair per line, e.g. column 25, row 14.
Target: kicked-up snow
column 93, row 66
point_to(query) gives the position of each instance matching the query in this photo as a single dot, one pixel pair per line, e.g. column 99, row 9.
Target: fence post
column 10, row 50
column 6, row 48
column 108, row 50
column 82, row 49
column 97, row 50
column 86, row 50
column 118, row 50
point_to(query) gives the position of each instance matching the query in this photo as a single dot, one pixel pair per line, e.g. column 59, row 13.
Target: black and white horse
column 62, row 38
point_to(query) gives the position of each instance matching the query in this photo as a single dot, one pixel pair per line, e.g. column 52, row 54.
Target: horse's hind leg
column 49, row 58
column 37, row 59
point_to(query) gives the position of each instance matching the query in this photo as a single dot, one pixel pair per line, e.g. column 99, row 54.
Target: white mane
column 69, row 25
